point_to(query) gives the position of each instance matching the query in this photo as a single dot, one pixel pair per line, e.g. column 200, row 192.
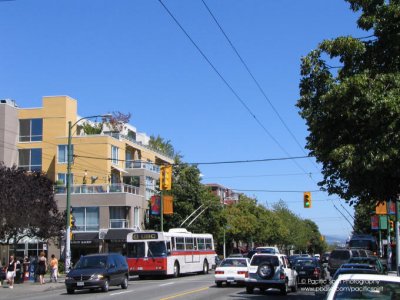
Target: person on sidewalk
column 12, row 266
column 42, row 267
column 53, row 268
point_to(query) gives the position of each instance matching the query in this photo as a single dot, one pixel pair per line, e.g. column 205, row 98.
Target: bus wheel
column 176, row 269
column 205, row 267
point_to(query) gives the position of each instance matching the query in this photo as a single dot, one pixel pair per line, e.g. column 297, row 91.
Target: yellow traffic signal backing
column 307, row 200
column 165, row 177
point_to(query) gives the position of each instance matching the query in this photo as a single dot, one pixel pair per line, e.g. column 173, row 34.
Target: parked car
column 373, row 261
column 309, row 271
column 271, row 271
column 98, row 271
column 365, row 286
column 339, row 257
column 292, row 258
column 232, row 270
column 354, row 269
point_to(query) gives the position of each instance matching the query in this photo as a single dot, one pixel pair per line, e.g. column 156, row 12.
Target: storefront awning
column 85, row 238
column 117, row 235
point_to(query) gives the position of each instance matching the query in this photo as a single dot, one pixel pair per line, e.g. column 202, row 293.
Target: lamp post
column 68, row 206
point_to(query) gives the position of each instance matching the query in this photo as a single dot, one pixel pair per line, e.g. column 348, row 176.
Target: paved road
column 189, row 287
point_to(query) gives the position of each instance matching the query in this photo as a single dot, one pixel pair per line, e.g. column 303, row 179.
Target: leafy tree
column 118, row 120
column 27, row 206
column 362, row 217
column 353, row 111
column 91, row 129
column 163, row 146
column 315, row 242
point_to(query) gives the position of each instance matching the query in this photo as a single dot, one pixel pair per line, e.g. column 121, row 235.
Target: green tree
column 362, row 217
column 353, row 111
column 162, row 145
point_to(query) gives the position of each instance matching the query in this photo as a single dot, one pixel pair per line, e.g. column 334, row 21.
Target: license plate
column 80, row 283
column 230, row 279
column 302, row 272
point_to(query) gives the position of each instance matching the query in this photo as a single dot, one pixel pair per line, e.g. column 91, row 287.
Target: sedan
column 365, row 286
column 355, row 269
column 373, row 261
column 232, row 270
column 309, row 271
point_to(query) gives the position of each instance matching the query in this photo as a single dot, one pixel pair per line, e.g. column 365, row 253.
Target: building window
column 30, row 159
column 86, row 218
column 63, row 153
column 114, row 155
column 30, row 130
column 136, row 216
column 62, row 177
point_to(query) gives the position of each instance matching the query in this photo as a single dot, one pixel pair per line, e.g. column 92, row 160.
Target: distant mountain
column 336, row 239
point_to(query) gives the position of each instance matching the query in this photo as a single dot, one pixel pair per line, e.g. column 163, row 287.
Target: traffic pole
column 397, row 236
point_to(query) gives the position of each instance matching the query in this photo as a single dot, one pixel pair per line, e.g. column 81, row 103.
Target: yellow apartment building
column 113, row 174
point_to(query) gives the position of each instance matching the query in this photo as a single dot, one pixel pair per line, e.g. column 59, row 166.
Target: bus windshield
column 157, row 249
column 362, row 244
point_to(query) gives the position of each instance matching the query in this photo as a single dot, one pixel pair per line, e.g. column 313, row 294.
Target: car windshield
column 367, row 289
column 259, row 259
column 233, row 263
column 92, row 262
column 157, row 249
column 305, row 263
column 340, row 255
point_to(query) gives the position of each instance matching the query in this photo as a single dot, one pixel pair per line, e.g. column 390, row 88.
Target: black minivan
column 98, row 271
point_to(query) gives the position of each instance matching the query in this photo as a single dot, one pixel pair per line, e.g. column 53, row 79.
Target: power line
column 227, row 84
column 255, row 80
column 275, row 191
column 257, row 176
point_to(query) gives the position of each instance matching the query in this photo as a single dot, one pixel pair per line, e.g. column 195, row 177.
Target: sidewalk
column 29, row 287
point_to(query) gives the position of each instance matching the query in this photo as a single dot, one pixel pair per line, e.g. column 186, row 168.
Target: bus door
column 196, row 253
column 189, row 249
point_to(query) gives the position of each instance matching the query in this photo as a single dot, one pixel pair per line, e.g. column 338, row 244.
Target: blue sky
column 130, row 56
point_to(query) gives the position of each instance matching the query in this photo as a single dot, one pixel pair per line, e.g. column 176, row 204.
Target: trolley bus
column 169, row 253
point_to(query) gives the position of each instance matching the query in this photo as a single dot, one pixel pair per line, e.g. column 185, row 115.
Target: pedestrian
column 11, row 268
column 42, row 267
column 18, row 271
column 53, row 268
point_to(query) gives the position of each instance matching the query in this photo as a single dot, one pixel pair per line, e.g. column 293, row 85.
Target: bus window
column 180, row 243
column 208, row 244
column 168, row 248
column 135, row 250
column 189, row 243
column 157, row 249
column 200, row 243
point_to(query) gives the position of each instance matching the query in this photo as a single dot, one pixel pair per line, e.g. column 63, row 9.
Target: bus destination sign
column 145, row 236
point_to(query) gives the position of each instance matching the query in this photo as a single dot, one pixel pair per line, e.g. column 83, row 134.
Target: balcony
column 137, row 164
column 119, row 223
column 98, row 189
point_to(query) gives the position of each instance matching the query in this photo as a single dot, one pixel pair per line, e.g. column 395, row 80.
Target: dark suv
column 98, row 271
column 339, row 257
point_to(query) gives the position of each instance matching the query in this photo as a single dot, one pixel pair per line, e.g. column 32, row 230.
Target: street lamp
column 69, row 161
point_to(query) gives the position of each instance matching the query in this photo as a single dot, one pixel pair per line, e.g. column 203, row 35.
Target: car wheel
column 176, row 269
column 124, row 284
column 205, row 267
column 106, row 286
column 284, row 289
column 266, row 270
column 249, row 290
column 70, row 291
column 218, row 283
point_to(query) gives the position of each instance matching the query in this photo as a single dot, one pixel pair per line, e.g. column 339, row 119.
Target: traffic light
column 391, row 225
column 307, row 200
column 71, row 221
column 165, row 177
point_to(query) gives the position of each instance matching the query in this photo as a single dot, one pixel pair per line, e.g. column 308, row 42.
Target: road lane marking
column 185, row 293
column 169, row 283
column 119, row 293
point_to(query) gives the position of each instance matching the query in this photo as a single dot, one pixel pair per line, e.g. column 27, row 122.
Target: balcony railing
column 119, row 223
column 98, row 189
column 137, row 164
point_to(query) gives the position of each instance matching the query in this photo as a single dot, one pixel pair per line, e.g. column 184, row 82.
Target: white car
column 271, row 271
column 232, row 270
column 364, row 286
column 272, row 250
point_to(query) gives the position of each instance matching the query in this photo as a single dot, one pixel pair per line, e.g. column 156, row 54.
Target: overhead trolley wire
column 227, row 83
column 255, row 80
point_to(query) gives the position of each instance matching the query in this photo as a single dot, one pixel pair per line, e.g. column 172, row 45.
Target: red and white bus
column 169, row 253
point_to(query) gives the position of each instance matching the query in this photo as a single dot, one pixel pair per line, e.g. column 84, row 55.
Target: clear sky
column 130, row 56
